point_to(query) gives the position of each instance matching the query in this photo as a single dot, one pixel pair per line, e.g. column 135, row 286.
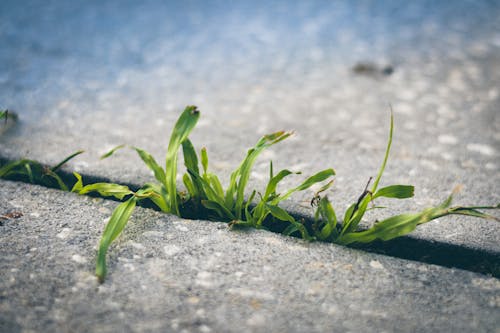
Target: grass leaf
column 239, row 178
column 316, row 178
column 151, row 163
column 395, row 191
column 190, row 157
column 183, row 127
column 204, row 159
column 117, row 222
column 280, row 213
column 386, row 156
column 273, row 182
column 112, row 151
column 329, row 218
column 219, row 208
column 107, row 189
column 58, row 179
column 66, row 160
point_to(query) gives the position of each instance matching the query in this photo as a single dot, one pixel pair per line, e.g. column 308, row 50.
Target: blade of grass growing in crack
column 66, row 160
column 355, row 213
column 327, row 213
column 395, row 191
column 151, row 163
column 230, row 205
column 105, row 189
column 314, row 179
column 4, row 114
column 36, row 173
column 193, row 184
column 7, row 114
column 112, row 151
column 147, row 158
column 185, row 124
column 403, row 224
column 116, row 223
column 239, row 178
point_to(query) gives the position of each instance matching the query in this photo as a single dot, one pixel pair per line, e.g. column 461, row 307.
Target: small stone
column 78, row 259
column 376, row 264
column 193, row 300
column 104, row 210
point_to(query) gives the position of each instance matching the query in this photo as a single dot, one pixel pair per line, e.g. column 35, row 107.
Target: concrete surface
column 92, row 76
column 173, row 275
column 86, row 75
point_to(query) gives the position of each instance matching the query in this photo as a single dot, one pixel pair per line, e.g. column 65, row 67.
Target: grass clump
column 36, row 173
column 206, row 194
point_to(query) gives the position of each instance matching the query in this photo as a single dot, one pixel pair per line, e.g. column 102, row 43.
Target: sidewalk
column 169, row 274
column 91, row 76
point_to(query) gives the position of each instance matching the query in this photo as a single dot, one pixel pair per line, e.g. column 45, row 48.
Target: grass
column 36, row 173
column 6, row 114
column 206, row 196
column 205, row 193
column 33, row 171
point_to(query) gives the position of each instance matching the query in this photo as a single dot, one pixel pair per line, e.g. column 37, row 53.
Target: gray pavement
column 85, row 75
column 173, row 275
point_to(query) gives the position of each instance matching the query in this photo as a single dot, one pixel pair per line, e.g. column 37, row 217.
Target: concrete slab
column 92, row 76
column 175, row 275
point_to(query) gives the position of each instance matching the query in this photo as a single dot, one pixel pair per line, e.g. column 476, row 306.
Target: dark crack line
column 406, row 247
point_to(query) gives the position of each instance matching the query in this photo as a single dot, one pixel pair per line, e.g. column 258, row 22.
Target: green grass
column 206, row 196
column 36, row 173
column 6, row 114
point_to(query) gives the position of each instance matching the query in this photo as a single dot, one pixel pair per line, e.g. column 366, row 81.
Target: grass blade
column 149, row 160
column 239, row 178
column 386, row 156
column 317, row 178
column 111, row 152
column 208, row 191
column 159, row 199
column 401, row 225
column 387, row 229
column 395, row 191
column 273, row 182
column 219, row 208
column 66, row 160
column 58, row 179
column 6, row 114
column 183, row 127
column 104, row 189
column 280, row 214
column 29, row 172
column 325, row 209
column 190, row 157
column 117, row 222
column 204, row 159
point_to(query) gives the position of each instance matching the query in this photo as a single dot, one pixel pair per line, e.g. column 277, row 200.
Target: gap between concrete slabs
column 81, row 83
column 476, row 259
column 171, row 274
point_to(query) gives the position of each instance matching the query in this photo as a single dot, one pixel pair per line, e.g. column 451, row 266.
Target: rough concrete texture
column 87, row 75
column 91, row 76
column 173, row 275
